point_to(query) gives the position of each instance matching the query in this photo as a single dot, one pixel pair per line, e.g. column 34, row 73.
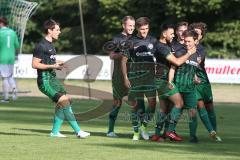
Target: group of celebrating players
column 170, row 68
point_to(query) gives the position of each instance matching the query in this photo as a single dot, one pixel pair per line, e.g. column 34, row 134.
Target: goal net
column 17, row 13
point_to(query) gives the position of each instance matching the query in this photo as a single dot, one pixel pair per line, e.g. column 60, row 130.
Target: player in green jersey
column 138, row 71
column 119, row 89
column 183, row 77
column 204, row 90
column 167, row 94
column 9, row 47
column 44, row 60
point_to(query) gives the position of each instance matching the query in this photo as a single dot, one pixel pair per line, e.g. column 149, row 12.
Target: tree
column 103, row 20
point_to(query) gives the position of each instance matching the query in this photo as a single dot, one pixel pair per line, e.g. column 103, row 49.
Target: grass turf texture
column 25, row 126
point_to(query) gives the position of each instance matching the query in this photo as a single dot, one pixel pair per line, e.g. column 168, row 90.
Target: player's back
column 8, row 45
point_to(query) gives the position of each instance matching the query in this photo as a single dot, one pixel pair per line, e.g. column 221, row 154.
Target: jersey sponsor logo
column 192, row 63
column 52, row 51
column 53, row 57
column 150, row 46
column 144, row 54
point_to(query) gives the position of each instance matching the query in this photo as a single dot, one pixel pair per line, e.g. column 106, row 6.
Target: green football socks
column 161, row 118
column 193, row 126
column 212, row 118
column 68, row 113
column 112, row 118
column 204, row 117
column 57, row 120
column 174, row 116
column 141, row 109
column 148, row 116
column 134, row 118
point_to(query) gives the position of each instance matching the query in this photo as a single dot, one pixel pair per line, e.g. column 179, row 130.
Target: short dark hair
column 199, row 25
column 165, row 27
column 142, row 21
column 182, row 23
column 49, row 24
column 190, row 33
column 127, row 18
column 4, row 21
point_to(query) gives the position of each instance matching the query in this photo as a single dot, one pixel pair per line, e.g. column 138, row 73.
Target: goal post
column 17, row 13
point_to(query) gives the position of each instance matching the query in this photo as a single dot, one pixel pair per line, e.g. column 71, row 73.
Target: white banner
column 219, row 71
column 23, row 67
column 223, row 71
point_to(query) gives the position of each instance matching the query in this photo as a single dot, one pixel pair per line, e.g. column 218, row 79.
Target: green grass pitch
column 26, row 124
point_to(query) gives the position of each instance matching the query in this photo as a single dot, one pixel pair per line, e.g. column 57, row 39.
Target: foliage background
column 102, row 20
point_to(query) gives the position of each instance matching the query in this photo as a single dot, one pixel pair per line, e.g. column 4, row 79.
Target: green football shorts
column 119, row 89
column 163, row 89
column 142, row 83
column 189, row 100
column 52, row 88
column 204, row 92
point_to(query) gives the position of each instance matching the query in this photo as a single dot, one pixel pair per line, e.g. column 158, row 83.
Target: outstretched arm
column 179, row 61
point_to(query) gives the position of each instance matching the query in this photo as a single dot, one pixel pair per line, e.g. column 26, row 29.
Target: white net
column 17, row 13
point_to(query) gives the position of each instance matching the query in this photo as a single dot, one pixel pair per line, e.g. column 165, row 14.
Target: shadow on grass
column 17, row 134
column 174, row 148
column 31, row 110
column 42, row 131
column 36, row 110
column 103, row 134
column 94, row 134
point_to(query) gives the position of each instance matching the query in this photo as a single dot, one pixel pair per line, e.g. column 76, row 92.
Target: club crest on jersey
column 53, row 57
column 199, row 59
column 150, row 46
